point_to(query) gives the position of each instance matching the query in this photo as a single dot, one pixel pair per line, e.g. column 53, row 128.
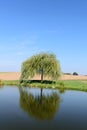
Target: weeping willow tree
column 43, row 108
column 44, row 64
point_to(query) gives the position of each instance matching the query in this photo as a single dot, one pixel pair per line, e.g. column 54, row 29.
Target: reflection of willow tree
column 42, row 107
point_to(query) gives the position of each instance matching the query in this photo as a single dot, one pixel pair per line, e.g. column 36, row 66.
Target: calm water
column 29, row 108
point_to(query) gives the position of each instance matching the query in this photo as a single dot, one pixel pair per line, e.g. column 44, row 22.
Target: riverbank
column 62, row 84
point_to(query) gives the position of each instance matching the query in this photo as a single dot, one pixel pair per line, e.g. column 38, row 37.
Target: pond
column 34, row 108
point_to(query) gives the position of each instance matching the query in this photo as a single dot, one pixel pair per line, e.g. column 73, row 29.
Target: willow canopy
column 44, row 64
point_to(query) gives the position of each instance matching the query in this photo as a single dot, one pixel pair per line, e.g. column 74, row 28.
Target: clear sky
column 28, row 27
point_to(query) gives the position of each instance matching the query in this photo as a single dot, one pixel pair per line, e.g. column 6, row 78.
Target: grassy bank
column 75, row 85
column 62, row 85
column 1, row 83
column 11, row 82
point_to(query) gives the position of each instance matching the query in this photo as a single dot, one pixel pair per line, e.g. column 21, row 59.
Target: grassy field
column 75, row 85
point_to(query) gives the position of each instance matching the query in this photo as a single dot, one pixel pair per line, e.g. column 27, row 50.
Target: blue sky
column 28, row 27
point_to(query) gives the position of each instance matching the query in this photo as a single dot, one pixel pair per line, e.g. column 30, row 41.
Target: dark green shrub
column 75, row 73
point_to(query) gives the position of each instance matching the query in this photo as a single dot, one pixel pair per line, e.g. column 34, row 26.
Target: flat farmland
column 16, row 76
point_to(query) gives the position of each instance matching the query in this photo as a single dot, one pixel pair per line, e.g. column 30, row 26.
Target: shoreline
column 66, row 82
column 62, row 85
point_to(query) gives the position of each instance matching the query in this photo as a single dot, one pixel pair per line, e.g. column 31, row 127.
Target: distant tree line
column 74, row 73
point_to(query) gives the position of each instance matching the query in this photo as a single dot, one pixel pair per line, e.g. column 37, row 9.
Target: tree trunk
column 42, row 75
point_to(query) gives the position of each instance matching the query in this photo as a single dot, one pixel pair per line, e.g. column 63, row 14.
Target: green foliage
column 44, row 64
column 75, row 73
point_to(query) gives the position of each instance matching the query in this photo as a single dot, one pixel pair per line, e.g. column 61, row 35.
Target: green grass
column 75, row 85
column 62, row 85
column 11, row 82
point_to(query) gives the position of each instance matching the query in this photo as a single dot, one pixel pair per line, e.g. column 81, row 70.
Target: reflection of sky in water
column 72, row 113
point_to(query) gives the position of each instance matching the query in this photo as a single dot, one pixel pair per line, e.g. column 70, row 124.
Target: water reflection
column 62, row 90
column 1, row 86
column 41, row 106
